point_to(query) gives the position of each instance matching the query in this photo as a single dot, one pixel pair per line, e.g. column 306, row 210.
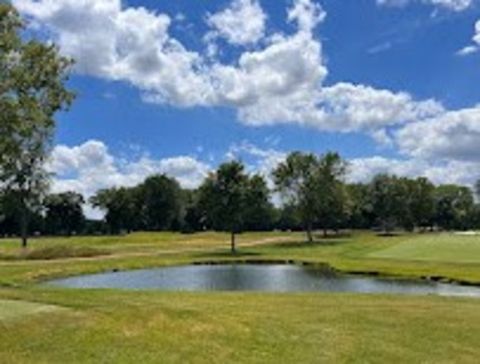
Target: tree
column 32, row 90
column 294, row 179
column 222, row 197
column 258, row 209
column 121, row 208
column 477, row 189
column 332, row 200
column 193, row 217
column 64, row 213
column 160, row 199
column 454, row 206
column 314, row 186
column 361, row 210
column 388, row 200
column 419, row 203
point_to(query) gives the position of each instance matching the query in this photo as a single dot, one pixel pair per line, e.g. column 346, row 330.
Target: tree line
column 309, row 190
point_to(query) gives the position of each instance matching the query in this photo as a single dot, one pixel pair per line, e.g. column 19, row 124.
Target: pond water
column 256, row 277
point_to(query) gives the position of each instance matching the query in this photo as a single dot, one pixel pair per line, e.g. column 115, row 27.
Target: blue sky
column 390, row 84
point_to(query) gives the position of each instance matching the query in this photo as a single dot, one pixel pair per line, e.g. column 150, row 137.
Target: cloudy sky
column 177, row 87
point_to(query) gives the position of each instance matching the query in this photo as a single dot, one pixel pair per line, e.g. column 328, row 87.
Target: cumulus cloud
column 280, row 82
column 455, row 5
column 454, row 135
column 475, row 47
column 242, row 23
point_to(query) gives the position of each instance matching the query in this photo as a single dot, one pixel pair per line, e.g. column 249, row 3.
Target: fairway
column 113, row 327
column 55, row 325
column 439, row 247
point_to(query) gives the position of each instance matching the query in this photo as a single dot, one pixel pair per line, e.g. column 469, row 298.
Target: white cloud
column 126, row 44
column 281, row 82
column 242, row 23
column 454, row 135
column 455, row 5
column 307, row 14
column 476, row 43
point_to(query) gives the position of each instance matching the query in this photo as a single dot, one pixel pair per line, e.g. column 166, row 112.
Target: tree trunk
column 325, row 233
column 309, row 234
column 232, row 242
column 24, row 226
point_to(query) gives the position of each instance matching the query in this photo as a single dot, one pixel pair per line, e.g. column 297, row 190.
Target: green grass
column 438, row 248
column 14, row 309
column 50, row 325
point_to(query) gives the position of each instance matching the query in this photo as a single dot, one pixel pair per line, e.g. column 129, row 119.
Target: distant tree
column 160, row 199
column 388, row 198
column 419, row 203
column 64, row 213
column 477, row 189
column 121, row 208
column 314, row 186
column 331, row 196
column 193, row 218
column 454, row 206
column 288, row 219
column 295, row 180
column 258, row 209
column 361, row 210
column 222, row 197
column 32, row 90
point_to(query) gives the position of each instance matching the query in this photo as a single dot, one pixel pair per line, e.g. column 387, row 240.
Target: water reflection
column 254, row 277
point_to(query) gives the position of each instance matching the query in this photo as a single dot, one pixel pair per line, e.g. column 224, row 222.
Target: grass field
column 52, row 325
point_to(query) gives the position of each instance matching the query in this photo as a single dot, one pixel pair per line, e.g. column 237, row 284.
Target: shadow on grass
column 316, row 243
column 227, row 254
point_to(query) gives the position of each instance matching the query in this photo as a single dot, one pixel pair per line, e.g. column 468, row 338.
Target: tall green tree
column 313, row 184
column 121, row 207
column 258, row 209
column 454, row 206
column 419, row 203
column 388, row 198
column 295, row 180
column 160, row 199
column 32, row 91
column 361, row 210
column 332, row 199
column 64, row 213
column 222, row 197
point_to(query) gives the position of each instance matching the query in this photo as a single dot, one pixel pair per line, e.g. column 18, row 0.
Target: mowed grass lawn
column 445, row 247
column 50, row 325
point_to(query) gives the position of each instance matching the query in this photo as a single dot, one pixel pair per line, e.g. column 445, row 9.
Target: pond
column 259, row 277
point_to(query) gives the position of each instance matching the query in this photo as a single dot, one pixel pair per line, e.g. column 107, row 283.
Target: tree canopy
column 32, row 91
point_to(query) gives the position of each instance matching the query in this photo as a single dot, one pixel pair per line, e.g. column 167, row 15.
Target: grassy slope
column 116, row 326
